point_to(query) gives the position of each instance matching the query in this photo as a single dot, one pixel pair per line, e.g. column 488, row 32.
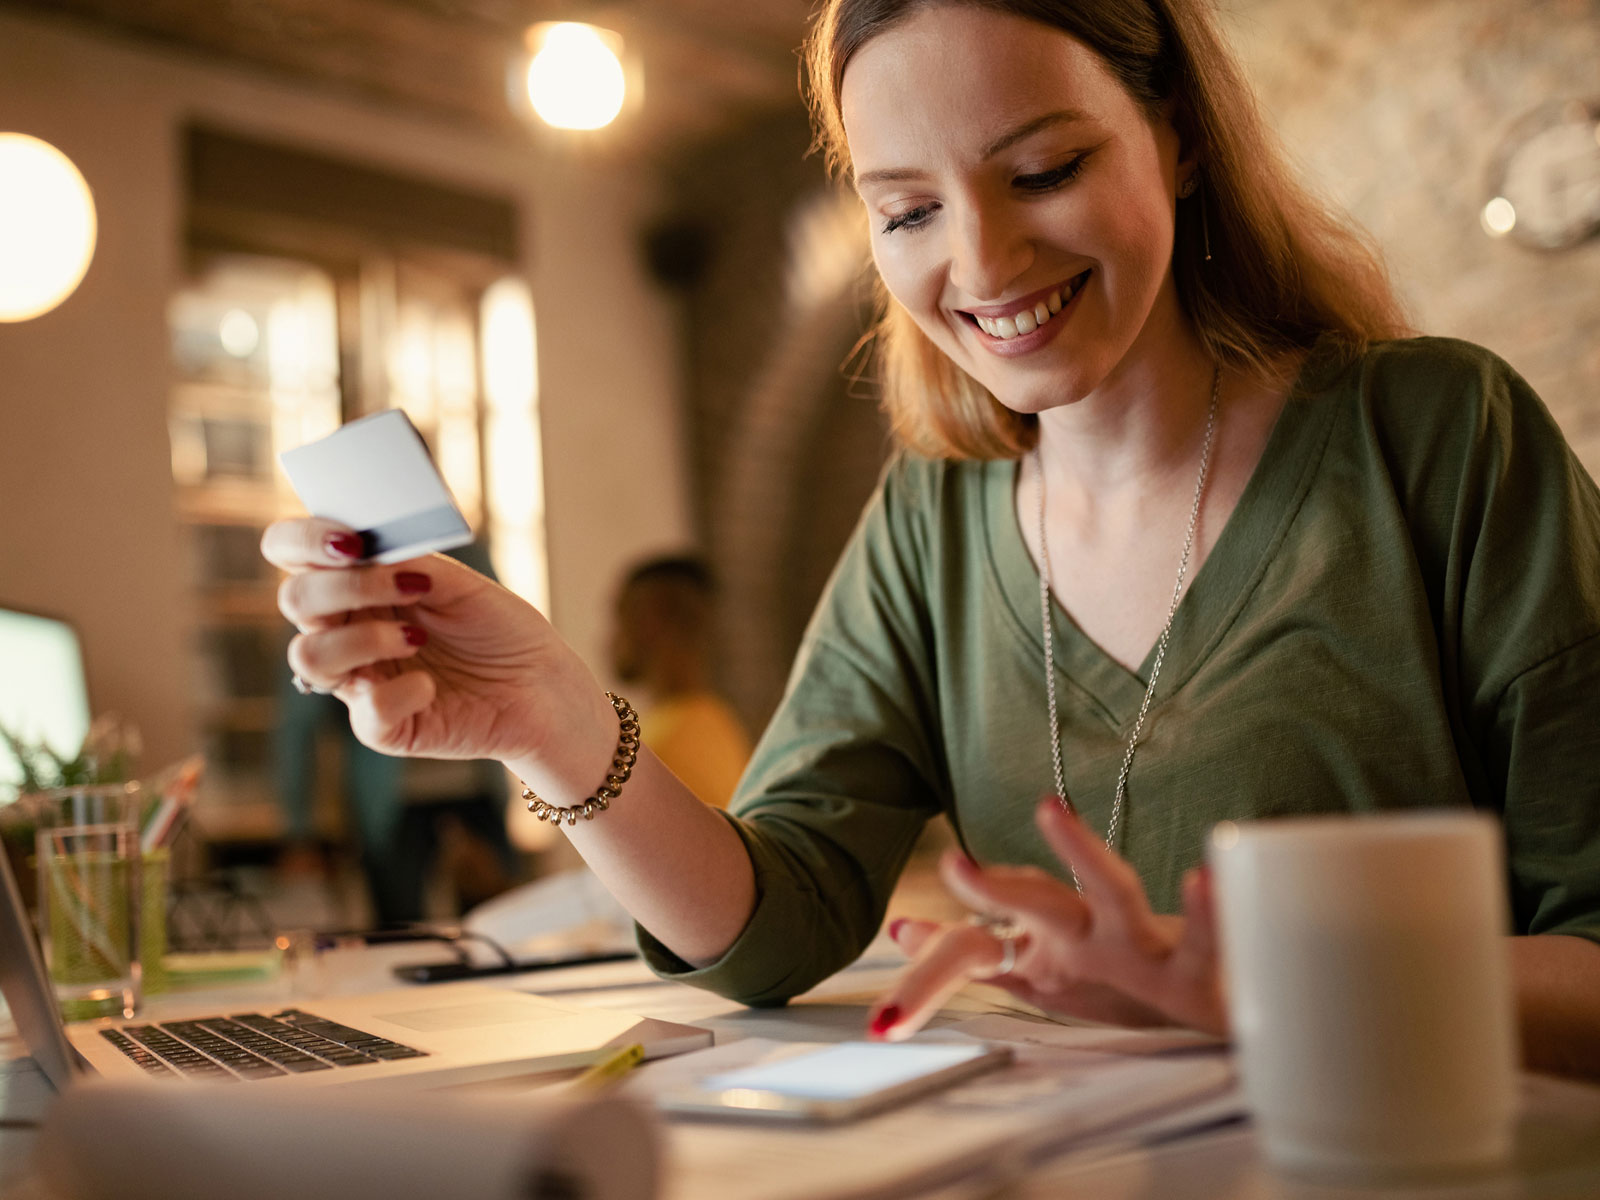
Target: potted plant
column 109, row 754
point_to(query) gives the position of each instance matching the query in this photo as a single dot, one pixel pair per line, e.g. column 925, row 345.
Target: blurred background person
column 660, row 644
column 661, row 648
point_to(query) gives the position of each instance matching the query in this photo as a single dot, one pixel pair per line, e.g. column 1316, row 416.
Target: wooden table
column 1558, row 1144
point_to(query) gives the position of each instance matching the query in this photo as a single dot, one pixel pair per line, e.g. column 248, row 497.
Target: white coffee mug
column 1369, row 988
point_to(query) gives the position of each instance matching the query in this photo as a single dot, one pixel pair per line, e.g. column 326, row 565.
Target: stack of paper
column 1070, row 1087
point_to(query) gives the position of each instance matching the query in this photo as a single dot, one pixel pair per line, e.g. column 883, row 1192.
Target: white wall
column 86, row 516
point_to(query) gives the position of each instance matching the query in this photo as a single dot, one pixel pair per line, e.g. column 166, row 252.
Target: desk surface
column 1558, row 1149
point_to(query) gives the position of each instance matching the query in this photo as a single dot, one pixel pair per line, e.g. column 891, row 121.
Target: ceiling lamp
column 575, row 80
column 47, row 227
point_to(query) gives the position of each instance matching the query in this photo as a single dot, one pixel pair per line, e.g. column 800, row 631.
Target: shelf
column 234, row 503
column 241, row 603
column 243, row 714
column 244, row 812
column 211, row 399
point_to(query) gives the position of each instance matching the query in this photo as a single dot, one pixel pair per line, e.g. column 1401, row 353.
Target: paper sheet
column 1091, row 1039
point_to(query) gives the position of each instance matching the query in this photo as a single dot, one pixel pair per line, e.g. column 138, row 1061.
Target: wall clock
column 1544, row 184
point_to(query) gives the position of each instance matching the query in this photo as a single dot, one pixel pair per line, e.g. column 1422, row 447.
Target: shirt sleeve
column 1546, row 740
column 844, row 777
column 1511, row 522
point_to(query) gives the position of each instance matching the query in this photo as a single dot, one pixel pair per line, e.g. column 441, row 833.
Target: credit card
column 375, row 475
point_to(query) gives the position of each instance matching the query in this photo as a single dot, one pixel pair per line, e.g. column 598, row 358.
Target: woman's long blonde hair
column 1285, row 269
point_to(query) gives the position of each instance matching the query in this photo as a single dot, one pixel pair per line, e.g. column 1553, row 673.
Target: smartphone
column 444, row 972
column 836, row 1083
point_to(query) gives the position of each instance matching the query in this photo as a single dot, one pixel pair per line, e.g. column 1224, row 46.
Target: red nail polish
column 346, row 545
column 415, row 635
column 895, row 926
column 412, row 583
column 886, row 1019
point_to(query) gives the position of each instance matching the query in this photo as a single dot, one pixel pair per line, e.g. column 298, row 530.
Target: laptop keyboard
column 252, row 1046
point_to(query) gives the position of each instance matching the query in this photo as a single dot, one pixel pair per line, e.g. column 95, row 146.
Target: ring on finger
column 306, row 688
column 1005, row 931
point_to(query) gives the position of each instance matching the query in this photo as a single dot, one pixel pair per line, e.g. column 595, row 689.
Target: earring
column 1187, row 187
column 1205, row 225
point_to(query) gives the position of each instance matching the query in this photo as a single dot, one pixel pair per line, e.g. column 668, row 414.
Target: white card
column 375, row 476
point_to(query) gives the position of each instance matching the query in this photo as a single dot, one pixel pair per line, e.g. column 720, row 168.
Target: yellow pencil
column 610, row 1070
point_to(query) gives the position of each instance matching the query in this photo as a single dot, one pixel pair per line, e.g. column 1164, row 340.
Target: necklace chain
column 1161, row 642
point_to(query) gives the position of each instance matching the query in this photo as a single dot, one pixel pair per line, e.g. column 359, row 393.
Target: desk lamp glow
column 575, row 80
column 47, row 227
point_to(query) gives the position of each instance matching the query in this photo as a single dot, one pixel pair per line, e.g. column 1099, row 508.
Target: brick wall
column 1396, row 108
column 785, row 449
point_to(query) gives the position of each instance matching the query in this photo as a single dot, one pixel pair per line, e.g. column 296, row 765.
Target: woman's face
column 1021, row 202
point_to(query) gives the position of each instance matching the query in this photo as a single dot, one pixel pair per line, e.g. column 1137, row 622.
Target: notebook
column 438, row 1035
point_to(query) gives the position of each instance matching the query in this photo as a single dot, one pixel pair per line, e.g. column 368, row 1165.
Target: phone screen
column 847, row 1071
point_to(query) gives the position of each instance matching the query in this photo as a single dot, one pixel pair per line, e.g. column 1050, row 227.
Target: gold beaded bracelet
column 621, row 768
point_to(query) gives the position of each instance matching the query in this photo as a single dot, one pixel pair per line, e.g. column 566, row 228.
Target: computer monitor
column 43, row 694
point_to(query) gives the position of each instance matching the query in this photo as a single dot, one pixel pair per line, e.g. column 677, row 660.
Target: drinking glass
column 91, row 898
column 155, row 870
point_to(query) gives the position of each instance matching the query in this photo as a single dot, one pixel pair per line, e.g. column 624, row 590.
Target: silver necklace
column 1161, row 642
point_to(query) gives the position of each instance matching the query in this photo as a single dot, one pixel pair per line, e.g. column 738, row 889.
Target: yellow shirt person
column 701, row 741
column 661, row 642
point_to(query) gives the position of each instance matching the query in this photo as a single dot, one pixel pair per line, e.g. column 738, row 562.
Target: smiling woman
column 1178, row 538
column 1293, row 269
column 980, row 215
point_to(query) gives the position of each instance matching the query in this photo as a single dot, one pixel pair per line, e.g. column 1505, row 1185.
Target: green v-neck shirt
column 1403, row 611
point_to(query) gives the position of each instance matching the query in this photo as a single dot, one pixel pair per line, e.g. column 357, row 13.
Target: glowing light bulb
column 239, row 333
column 575, row 80
column 1499, row 217
column 47, row 227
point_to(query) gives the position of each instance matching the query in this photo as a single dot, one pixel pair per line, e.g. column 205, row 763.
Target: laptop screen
column 27, row 988
column 43, row 695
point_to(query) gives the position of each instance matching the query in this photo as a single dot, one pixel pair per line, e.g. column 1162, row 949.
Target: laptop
column 437, row 1035
column 429, row 1036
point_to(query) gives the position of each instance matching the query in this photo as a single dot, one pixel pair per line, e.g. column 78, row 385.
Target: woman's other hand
column 1102, row 956
column 431, row 658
